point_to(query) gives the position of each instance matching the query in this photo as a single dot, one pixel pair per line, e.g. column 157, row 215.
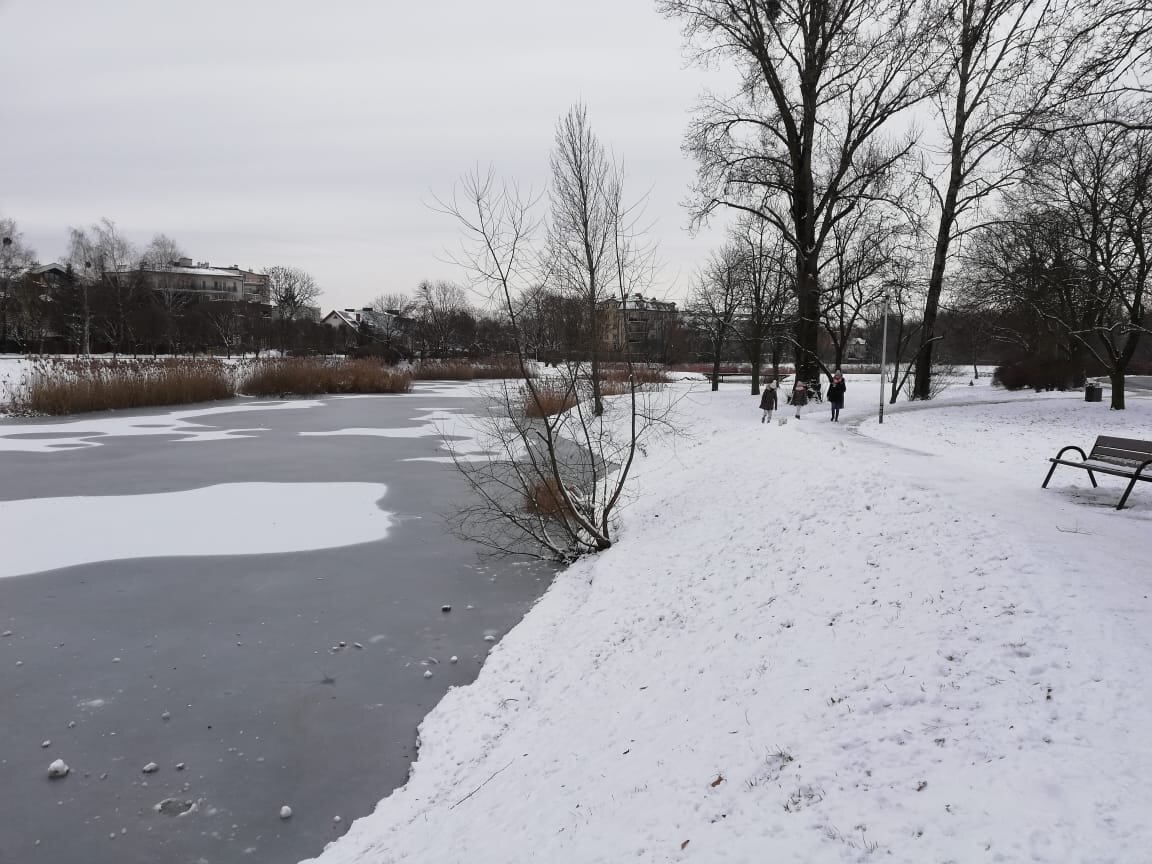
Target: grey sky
column 259, row 132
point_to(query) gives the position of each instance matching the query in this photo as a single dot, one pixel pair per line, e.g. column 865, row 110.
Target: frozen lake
column 273, row 677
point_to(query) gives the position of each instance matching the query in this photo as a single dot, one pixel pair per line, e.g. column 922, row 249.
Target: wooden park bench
column 1121, row 457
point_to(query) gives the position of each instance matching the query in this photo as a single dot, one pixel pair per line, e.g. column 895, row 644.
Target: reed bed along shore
column 58, row 386
column 315, row 376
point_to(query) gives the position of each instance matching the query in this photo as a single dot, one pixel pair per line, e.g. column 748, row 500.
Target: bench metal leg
column 1127, row 491
column 1052, row 470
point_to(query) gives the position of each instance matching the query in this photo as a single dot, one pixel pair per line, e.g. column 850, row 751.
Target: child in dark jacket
column 836, row 395
column 768, row 402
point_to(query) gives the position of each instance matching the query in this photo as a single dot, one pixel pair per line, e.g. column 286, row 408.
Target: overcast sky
column 260, row 132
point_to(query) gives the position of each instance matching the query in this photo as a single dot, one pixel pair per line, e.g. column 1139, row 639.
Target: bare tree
column 560, row 463
column 161, row 253
column 717, row 297
column 292, row 290
column 1081, row 257
column 393, row 315
column 767, row 276
column 582, row 230
column 101, row 257
column 395, row 303
column 864, row 246
column 800, row 143
column 227, row 320
column 15, row 259
column 904, row 289
column 440, row 309
column 1007, row 63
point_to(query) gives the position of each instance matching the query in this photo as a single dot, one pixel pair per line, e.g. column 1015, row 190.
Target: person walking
column 799, row 396
column 768, row 402
column 836, row 395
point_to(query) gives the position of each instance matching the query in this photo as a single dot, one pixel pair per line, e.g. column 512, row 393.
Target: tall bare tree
column 800, row 143
column 1006, row 63
column 583, row 226
column 561, row 461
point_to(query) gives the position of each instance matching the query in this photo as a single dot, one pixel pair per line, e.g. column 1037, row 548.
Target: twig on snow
column 481, row 786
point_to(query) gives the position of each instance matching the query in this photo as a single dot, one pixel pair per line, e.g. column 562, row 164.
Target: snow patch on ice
column 94, row 431
column 246, row 519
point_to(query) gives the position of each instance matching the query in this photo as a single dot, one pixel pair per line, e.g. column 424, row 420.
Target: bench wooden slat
column 1123, row 448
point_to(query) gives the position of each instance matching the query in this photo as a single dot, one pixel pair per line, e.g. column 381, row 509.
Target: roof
column 354, row 317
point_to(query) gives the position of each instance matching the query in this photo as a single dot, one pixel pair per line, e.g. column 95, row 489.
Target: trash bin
column 1092, row 392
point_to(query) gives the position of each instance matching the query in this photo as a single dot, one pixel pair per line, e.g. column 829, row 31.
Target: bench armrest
column 1071, row 447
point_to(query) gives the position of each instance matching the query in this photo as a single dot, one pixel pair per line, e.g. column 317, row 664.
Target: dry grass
column 309, row 377
column 491, row 368
column 552, row 397
column 59, row 386
column 546, row 499
column 642, row 375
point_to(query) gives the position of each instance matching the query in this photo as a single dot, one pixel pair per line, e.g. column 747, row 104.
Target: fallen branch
column 481, row 786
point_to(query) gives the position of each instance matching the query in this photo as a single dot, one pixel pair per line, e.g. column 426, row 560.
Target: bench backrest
column 1123, row 450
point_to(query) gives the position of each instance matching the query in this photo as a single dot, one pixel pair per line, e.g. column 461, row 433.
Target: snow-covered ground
column 819, row 642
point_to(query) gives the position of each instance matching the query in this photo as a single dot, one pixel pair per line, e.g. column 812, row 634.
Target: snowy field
column 819, row 642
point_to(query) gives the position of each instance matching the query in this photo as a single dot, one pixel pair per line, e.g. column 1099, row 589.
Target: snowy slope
column 818, row 642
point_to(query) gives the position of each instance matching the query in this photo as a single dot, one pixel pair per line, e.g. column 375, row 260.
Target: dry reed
column 59, row 386
column 545, row 498
column 491, row 368
column 310, row 377
column 551, row 397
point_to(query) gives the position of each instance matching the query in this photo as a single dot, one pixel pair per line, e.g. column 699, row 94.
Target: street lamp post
column 883, row 357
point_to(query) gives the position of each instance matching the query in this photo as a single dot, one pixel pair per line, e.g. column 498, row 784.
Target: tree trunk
column 756, row 358
column 594, row 348
column 716, row 365
column 922, row 386
column 1116, row 378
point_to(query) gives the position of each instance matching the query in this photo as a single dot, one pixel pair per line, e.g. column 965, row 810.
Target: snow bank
column 813, row 644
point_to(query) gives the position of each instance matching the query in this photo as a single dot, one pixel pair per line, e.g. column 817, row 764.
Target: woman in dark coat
column 836, row 395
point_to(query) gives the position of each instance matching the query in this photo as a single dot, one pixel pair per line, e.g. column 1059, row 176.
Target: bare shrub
column 940, row 379
column 58, row 386
column 312, row 376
